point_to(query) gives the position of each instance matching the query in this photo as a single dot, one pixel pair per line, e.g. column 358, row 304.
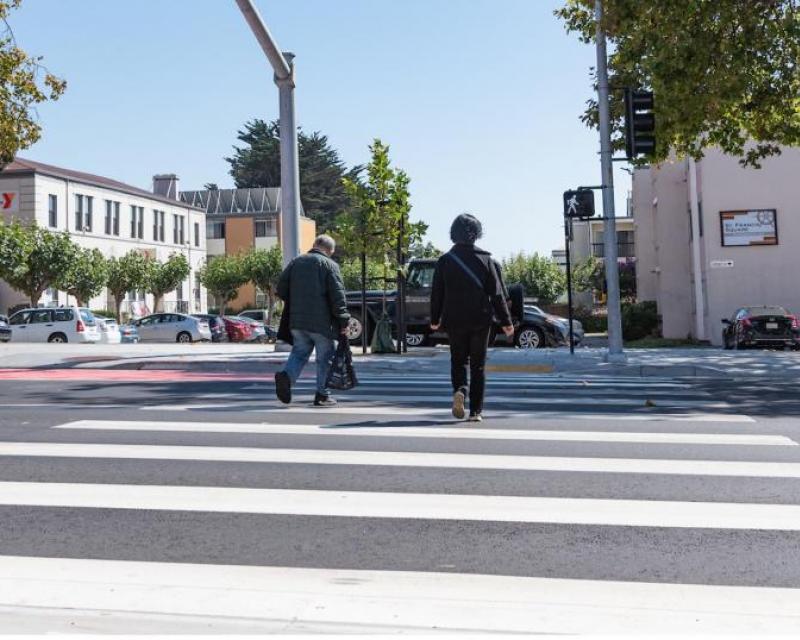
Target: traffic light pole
column 283, row 67
column 615, row 352
column 570, row 312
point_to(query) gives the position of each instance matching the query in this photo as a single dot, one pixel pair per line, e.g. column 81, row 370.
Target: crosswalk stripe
column 520, row 399
column 521, row 384
column 436, row 432
column 404, row 459
column 307, row 599
column 405, row 412
column 354, row 504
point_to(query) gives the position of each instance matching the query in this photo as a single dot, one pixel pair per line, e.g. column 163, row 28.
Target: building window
column 52, row 210
column 155, row 224
column 174, row 228
column 137, row 222
column 196, row 234
column 112, row 218
column 215, row 230
column 87, row 219
column 266, row 228
column 158, row 225
column 78, row 212
column 182, row 235
column 115, row 229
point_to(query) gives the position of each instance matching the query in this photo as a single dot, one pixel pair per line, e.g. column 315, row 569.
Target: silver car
column 172, row 327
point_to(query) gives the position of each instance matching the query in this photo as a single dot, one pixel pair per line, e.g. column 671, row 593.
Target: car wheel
column 355, row 330
column 184, row 337
column 530, row 338
column 416, row 339
column 57, row 337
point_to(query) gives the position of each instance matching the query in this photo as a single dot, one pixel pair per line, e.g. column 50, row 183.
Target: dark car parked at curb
column 217, row 325
column 763, row 326
column 5, row 330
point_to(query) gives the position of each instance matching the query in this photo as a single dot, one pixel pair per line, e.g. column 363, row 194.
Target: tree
column 33, row 259
column 24, row 83
column 541, row 277
column 131, row 272
column 222, row 276
column 351, row 274
column 166, row 276
column 723, row 72
column 258, row 164
column 428, row 250
column 86, row 275
column 379, row 206
column 263, row 267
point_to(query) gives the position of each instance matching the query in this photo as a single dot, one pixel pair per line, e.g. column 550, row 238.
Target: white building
column 114, row 217
column 712, row 237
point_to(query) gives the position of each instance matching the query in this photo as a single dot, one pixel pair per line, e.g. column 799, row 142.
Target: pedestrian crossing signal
column 579, row 203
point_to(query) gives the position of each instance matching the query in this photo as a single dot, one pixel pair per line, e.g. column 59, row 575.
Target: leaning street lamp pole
column 283, row 66
column 615, row 352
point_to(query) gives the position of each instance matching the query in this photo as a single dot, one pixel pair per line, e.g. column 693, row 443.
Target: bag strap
column 467, row 270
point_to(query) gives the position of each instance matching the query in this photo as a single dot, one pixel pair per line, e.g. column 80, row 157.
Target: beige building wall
column 732, row 277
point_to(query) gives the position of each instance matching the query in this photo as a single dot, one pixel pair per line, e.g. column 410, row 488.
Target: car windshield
column 421, row 277
column 534, row 309
column 767, row 311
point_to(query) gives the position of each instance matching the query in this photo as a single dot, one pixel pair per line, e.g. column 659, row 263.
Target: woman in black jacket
column 467, row 296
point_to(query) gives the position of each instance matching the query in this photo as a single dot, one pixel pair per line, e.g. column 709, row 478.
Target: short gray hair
column 326, row 243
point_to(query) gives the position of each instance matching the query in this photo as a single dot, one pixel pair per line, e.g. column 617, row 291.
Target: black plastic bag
column 342, row 375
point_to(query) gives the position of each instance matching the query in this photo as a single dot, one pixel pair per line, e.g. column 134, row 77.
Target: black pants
column 469, row 348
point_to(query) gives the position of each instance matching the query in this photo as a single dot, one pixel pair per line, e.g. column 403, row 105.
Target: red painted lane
column 129, row 375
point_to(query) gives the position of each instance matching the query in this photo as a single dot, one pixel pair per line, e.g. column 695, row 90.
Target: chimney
column 166, row 185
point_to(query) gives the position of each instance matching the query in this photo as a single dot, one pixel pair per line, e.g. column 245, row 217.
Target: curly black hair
column 466, row 229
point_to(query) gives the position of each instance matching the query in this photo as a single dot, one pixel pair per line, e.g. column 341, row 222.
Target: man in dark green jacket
column 313, row 289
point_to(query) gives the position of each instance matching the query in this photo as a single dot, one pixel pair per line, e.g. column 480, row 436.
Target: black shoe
column 283, row 387
column 324, row 401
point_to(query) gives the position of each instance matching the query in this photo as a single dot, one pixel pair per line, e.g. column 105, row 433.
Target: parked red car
column 238, row 331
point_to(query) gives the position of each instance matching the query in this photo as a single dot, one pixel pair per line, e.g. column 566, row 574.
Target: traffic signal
column 640, row 124
column 579, row 203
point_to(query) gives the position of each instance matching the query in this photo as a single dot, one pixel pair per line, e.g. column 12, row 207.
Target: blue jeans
column 304, row 343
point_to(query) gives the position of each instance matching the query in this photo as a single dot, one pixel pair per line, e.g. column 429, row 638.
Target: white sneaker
column 459, row 399
column 475, row 417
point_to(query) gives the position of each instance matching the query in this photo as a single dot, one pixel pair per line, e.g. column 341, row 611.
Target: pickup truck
column 533, row 328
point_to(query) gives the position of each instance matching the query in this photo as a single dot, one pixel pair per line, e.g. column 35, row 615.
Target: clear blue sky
column 479, row 99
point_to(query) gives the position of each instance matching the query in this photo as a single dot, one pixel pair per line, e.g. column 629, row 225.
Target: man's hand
column 435, row 327
column 343, row 331
column 509, row 330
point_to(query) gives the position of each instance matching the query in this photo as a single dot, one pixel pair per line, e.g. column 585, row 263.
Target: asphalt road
column 624, row 495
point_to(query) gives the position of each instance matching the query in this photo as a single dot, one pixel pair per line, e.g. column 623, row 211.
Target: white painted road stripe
column 355, row 504
column 404, row 459
column 306, row 600
column 593, row 401
column 524, row 383
column 436, row 432
column 405, row 412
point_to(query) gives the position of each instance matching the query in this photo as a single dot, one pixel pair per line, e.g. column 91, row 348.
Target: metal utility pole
column 570, row 312
column 283, row 66
column 615, row 352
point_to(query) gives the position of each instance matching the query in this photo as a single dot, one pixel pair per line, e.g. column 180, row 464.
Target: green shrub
column 640, row 320
column 593, row 322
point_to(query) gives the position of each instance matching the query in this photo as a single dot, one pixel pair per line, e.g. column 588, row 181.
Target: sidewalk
column 707, row 362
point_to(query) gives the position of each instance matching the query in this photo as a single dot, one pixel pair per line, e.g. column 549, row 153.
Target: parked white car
column 54, row 324
column 172, row 327
column 109, row 330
